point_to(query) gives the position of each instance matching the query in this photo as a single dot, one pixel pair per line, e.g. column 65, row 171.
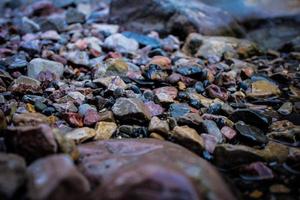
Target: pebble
column 91, row 117
column 286, row 108
column 166, row 94
column 159, row 126
column 25, row 84
column 17, row 61
column 251, row 134
column 179, row 109
column 262, row 88
column 228, row 132
column 80, row 135
column 120, row 43
column 104, row 130
column 211, row 128
column 38, row 65
column 78, row 58
column 74, row 16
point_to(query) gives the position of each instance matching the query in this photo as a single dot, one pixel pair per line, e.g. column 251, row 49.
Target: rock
column 123, row 168
column 91, row 118
column 143, row 39
column 74, row 16
column 155, row 109
column 215, row 91
column 74, row 119
column 25, row 84
column 228, row 132
column 84, row 108
column 131, row 110
column 159, row 126
column 116, row 67
column 216, row 46
column 76, row 95
column 252, row 117
column 17, row 61
column 166, row 94
column 111, row 82
column 132, row 131
column 211, row 128
column 107, row 116
column 188, row 138
column 256, row 171
column 3, row 123
column 55, row 177
column 28, row 26
column 193, row 120
column 31, row 142
column 78, row 58
column 210, row 142
column 104, row 130
column 172, row 16
column 179, row 109
column 251, row 134
column 286, row 108
column 50, row 35
column 120, row 43
column 163, row 62
column 29, row 119
column 32, row 46
column 263, row 88
column 12, row 176
column 80, row 135
column 38, row 65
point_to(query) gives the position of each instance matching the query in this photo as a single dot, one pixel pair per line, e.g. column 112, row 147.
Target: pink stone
column 228, row 132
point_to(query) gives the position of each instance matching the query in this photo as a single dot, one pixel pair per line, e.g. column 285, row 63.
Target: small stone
column 215, row 91
column 25, row 84
column 31, row 142
column 228, row 132
column 143, row 39
column 210, row 142
column 74, row 16
column 3, row 123
column 104, row 130
column 116, row 66
column 188, row 138
column 38, row 65
column 91, row 117
column 78, row 58
column 155, row 109
column 256, row 171
column 286, row 108
column 12, row 176
column 179, row 109
column 50, row 35
column 81, row 135
column 132, row 131
column 263, row 88
column 31, row 46
column 251, row 134
column 131, row 110
column 83, row 108
column 74, row 119
column 107, row 116
column 279, row 189
column 163, row 62
column 166, row 94
column 120, row 43
column 212, row 129
column 29, row 119
column 16, row 61
column 55, row 177
column 76, row 96
column 159, row 126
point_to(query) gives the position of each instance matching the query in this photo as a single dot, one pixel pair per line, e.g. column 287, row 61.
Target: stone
column 143, row 39
column 210, row 142
column 55, row 177
column 91, row 118
column 83, row 108
column 12, row 176
column 256, row 171
column 31, row 142
column 132, row 131
column 162, row 61
column 228, row 132
column 188, row 138
column 155, row 109
column 74, row 119
column 159, row 126
column 166, row 94
column 123, row 168
column 216, row 46
column 74, row 16
column 38, row 65
column 28, row 26
column 50, row 35
column 80, row 135
column 286, row 108
column 17, row 61
column 25, row 84
column 251, row 134
column 263, row 88
column 120, row 43
column 252, row 117
column 29, row 119
column 169, row 16
column 116, row 66
column 3, row 123
column 32, row 46
column 179, row 109
column 78, row 58
column 76, row 95
column 104, row 130
column 107, row 116
column 131, row 110
column 211, row 128
column 215, row 91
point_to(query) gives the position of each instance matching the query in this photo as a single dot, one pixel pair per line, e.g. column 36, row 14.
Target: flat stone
column 251, row 134
column 120, row 43
column 123, row 169
column 29, row 119
column 131, row 110
column 159, row 126
column 188, row 138
column 31, row 142
column 38, row 65
column 286, row 108
column 262, row 88
column 55, row 177
column 104, row 130
column 179, row 109
column 91, row 118
column 80, row 135
column 25, row 84
column 12, row 176
column 50, row 35
column 155, row 109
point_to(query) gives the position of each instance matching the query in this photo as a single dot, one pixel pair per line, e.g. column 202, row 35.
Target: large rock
column 12, row 176
column 174, row 16
column 38, row 65
column 149, row 169
column 55, row 177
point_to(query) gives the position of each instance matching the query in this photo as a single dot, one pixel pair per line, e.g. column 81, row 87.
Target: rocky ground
column 153, row 99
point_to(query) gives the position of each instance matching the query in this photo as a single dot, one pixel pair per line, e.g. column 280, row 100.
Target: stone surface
column 211, row 128
column 25, row 84
column 262, row 88
column 80, row 135
column 251, row 134
column 120, row 43
column 38, row 65
column 28, row 119
column 166, row 94
column 56, row 177
column 104, row 130
column 78, row 58
column 125, row 168
column 159, row 126
column 131, row 110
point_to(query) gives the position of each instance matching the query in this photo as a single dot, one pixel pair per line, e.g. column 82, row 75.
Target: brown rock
column 107, row 116
column 262, row 89
column 31, row 142
column 28, row 119
column 80, row 135
column 161, row 61
column 159, row 126
column 104, row 130
column 55, row 177
column 149, row 169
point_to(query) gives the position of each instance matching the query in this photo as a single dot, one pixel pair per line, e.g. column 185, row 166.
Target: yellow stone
column 104, row 130
column 263, row 88
column 30, row 108
column 80, row 135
